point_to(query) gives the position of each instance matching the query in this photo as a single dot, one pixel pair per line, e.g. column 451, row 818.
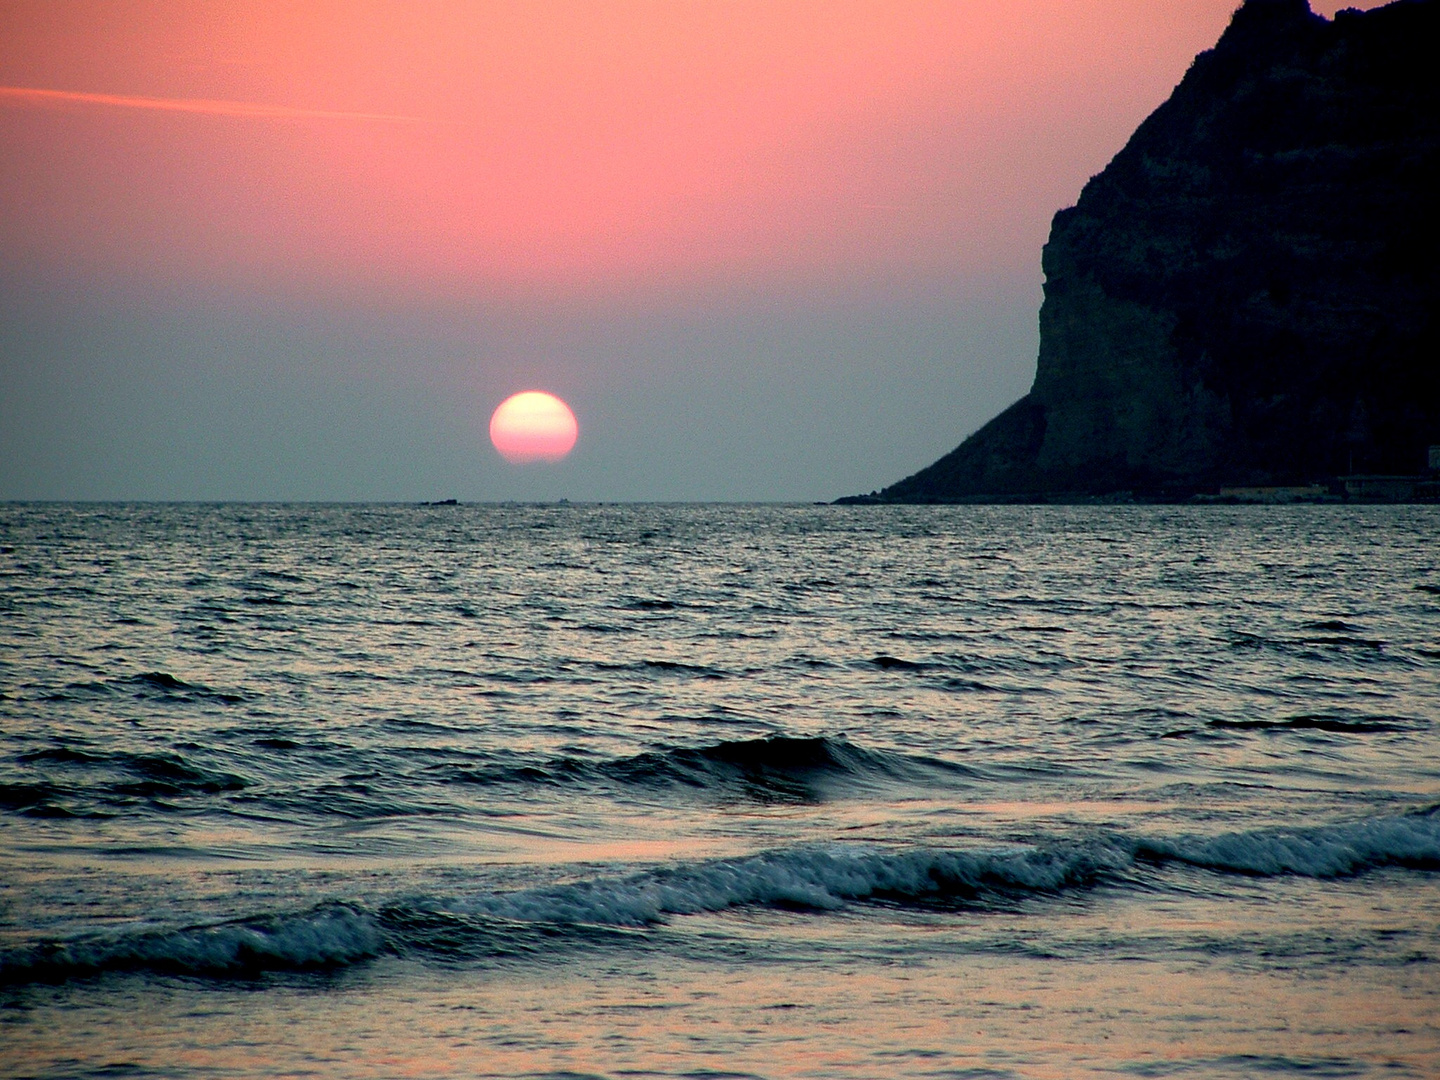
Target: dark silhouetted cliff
column 1247, row 295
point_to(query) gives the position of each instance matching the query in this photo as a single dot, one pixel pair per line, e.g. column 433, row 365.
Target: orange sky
column 479, row 146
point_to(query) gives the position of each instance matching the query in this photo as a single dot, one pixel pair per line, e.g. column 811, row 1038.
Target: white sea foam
column 825, row 879
column 821, row 879
column 1322, row 852
column 333, row 935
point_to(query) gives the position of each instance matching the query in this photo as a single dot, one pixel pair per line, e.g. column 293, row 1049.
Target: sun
column 533, row 426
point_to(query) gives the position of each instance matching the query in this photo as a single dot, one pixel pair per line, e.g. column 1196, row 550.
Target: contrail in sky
column 206, row 106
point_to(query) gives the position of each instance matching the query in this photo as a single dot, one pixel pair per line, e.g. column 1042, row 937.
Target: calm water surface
column 702, row 791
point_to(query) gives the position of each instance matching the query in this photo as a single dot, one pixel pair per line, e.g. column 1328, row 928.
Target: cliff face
column 1248, row 293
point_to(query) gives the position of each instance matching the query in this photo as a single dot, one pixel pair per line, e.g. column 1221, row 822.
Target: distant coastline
column 1359, row 489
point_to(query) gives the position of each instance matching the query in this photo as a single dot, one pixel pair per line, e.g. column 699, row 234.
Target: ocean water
column 719, row 791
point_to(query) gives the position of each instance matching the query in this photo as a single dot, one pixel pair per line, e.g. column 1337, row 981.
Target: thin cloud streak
column 204, row 106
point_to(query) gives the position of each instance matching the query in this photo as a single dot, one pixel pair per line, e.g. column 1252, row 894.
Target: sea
column 719, row 791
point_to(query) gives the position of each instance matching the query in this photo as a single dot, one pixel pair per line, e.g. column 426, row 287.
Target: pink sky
column 463, row 147
column 765, row 249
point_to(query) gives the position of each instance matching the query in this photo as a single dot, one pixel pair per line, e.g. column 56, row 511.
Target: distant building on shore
column 1425, row 488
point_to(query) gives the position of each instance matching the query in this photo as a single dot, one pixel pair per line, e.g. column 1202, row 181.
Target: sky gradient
column 764, row 250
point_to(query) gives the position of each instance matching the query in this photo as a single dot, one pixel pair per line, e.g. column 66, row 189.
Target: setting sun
column 533, row 426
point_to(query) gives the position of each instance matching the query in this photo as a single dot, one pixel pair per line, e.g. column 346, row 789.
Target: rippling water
column 718, row 791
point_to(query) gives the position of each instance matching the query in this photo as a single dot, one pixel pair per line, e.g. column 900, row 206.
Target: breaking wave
column 529, row 921
column 826, row 879
column 331, row 936
column 1325, row 851
column 802, row 879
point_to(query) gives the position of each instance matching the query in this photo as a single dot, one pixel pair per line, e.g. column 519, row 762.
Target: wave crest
column 778, row 768
column 1325, row 851
column 828, row 878
column 529, row 922
column 330, row 936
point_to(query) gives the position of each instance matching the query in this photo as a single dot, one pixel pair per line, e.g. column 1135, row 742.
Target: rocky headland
column 1246, row 298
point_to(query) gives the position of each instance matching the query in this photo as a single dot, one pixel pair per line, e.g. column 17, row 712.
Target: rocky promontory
column 1248, row 294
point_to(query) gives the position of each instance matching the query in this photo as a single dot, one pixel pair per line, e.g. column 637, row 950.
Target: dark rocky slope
column 1247, row 295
